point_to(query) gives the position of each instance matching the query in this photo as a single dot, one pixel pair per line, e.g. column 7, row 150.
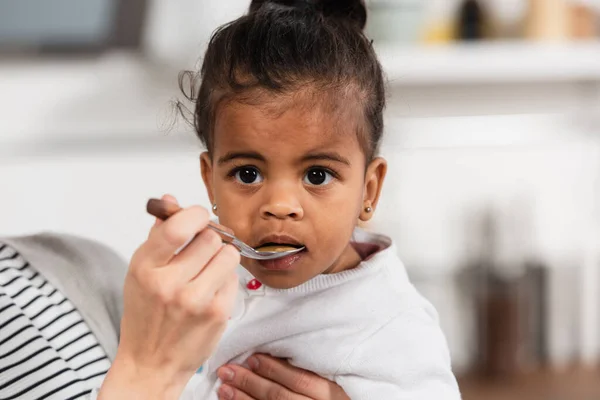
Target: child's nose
column 282, row 204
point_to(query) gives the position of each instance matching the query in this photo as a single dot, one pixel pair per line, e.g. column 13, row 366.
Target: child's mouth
column 279, row 243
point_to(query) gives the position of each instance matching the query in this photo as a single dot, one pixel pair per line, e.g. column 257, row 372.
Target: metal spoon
column 163, row 210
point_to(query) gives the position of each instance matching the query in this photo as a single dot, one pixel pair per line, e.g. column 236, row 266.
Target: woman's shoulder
column 65, row 244
column 73, row 263
column 48, row 247
column 88, row 273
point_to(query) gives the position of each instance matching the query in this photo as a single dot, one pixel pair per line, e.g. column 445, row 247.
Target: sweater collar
column 378, row 249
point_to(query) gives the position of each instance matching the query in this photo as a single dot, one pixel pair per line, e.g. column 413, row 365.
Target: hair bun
column 351, row 10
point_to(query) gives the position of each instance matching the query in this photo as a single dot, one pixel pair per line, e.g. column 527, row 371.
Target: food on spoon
column 276, row 248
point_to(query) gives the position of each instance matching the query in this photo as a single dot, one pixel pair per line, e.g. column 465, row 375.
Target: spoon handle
column 164, row 209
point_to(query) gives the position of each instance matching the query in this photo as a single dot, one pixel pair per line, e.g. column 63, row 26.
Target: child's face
column 295, row 177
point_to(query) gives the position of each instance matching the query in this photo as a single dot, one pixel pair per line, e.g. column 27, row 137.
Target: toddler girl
column 290, row 109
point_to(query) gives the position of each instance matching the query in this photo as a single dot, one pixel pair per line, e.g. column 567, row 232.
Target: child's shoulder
column 387, row 292
column 382, row 276
column 377, row 292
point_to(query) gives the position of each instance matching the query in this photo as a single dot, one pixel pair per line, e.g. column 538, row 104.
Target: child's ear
column 373, row 183
column 207, row 174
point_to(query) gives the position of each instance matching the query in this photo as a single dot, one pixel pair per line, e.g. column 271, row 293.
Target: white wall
column 101, row 196
column 540, row 170
column 178, row 30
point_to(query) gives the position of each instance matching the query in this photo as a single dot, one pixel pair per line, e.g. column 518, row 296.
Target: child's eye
column 318, row 177
column 248, row 175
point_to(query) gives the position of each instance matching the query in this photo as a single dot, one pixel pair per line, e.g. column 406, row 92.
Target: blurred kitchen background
column 492, row 135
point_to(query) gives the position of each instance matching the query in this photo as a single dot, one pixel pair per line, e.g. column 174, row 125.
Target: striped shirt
column 47, row 351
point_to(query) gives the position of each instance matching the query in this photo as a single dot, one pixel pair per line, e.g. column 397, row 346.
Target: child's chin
column 277, row 280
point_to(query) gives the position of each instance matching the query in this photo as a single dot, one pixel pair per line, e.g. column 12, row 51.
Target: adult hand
column 274, row 379
column 176, row 307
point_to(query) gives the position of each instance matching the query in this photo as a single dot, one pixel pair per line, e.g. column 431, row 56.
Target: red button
column 254, row 284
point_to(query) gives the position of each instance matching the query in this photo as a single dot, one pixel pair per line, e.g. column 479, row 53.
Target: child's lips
column 279, row 240
column 284, row 263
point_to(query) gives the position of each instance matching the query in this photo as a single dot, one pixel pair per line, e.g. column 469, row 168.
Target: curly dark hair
column 282, row 46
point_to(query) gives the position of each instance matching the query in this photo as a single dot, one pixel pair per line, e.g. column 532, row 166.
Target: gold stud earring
column 368, row 209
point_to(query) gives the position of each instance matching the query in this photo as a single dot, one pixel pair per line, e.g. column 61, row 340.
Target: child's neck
column 349, row 259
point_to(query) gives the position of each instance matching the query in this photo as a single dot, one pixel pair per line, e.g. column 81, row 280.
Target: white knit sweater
column 367, row 329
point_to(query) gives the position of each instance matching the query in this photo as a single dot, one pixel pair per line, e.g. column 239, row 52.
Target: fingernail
column 253, row 363
column 170, row 198
column 225, row 392
column 225, row 374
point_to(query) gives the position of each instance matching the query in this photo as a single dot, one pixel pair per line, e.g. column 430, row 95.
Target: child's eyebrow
column 233, row 155
column 326, row 156
column 323, row 156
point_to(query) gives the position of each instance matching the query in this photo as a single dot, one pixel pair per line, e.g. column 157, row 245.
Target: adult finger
column 296, row 379
column 225, row 297
column 227, row 392
column 215, row 274
column 170, row 199
column 254, row 386
column 196, row 255
column 171, row 235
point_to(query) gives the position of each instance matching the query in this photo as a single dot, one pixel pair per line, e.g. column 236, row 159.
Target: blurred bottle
column 547, row 20
column 507, row 18
column 583, row 21
column 501, row 329
column 472, row 21
column 439, row 22
column 502, row 305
